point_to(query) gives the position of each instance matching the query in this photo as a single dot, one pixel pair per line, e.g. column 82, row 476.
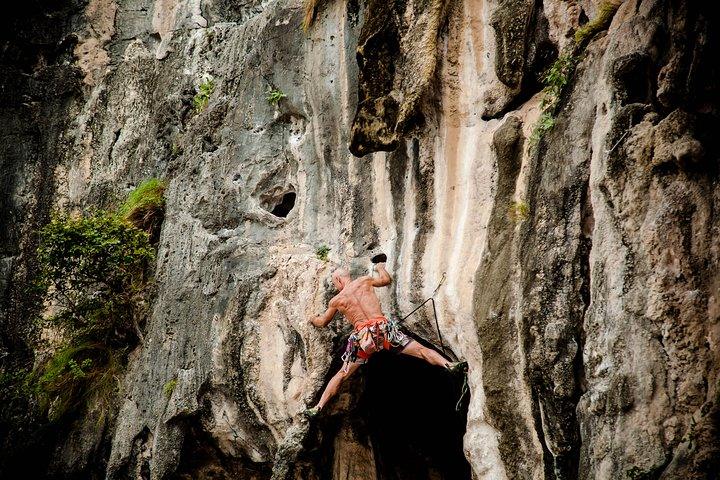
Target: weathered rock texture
column 591, row 324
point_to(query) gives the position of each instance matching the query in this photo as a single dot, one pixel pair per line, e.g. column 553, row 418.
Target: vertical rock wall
column 590, row 323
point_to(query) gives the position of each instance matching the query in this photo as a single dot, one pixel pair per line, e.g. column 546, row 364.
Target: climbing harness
column 372, row 336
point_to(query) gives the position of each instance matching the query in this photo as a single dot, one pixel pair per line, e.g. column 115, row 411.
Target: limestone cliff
column 578, row 264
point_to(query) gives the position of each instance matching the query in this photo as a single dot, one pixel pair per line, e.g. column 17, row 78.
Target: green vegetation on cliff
column 95, row 280
column 145, row 206
column 202, row 97
column 322, row 252
column 274, row 95
column 606, row 12
column 555, row 79
column 94, row 276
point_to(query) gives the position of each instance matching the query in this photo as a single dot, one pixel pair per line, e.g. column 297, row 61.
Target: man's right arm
column 383, row 279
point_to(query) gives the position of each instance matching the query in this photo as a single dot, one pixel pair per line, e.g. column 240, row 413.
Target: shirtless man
column 372, row 331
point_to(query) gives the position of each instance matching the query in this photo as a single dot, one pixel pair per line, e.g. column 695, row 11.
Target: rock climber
column 372, row 331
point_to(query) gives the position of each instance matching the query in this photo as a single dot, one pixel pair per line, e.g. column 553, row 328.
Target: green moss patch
column 145, row 206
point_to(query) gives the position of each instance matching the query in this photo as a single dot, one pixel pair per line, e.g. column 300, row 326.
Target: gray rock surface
column 590, row 322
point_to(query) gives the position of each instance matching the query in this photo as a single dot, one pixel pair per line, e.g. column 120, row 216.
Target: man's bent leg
column 335, row 382
column 431, row 356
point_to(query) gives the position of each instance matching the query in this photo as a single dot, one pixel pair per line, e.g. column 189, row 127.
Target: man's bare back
column 356, row 298
column 358, row 301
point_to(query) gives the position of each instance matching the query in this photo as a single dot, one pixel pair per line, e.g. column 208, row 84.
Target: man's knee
column 344, row 373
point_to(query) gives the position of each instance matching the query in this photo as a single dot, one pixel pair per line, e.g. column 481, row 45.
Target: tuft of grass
column 169, row 387
column 519, row 211
column 322, row 252
column 202, row 97
column 145, row 206
column 74, row 376
column 601, row 22
column 274, row 95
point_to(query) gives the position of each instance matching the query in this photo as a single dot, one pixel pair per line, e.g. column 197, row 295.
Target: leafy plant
column 322, row 252
column 274, row 95
column 519, row 211
column 555, row 79
column 93, row 267
column 202, row 97
column 93, row 270
column 145, row 207
column 601, row 22
column 544, row 124
column 169, row 387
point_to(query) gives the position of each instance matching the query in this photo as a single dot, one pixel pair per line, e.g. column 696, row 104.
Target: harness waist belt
column 368, row 323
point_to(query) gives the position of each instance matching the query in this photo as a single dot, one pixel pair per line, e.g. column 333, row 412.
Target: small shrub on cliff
column 322, row 253
column 274, row 96
column 93, row 268
column 202, row 97
column 145, row 207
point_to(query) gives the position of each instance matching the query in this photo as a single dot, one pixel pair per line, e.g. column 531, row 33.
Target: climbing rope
column 437, row 325
column 464, row 390
column 431, row 299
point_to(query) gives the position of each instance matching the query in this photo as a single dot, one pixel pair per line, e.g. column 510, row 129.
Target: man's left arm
column 323, row 319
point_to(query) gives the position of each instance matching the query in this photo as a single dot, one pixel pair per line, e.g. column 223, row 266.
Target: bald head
column 340, row 278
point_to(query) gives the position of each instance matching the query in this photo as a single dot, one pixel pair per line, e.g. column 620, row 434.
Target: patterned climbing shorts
column 372, row 336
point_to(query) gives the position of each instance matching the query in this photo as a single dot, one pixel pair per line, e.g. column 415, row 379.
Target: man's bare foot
column 457, row 367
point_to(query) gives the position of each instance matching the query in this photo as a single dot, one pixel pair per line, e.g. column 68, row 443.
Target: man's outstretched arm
column 325, row 318
column 383, row 279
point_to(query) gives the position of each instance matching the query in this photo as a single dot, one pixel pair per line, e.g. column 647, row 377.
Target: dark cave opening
column 286, row 204
column 412, row 423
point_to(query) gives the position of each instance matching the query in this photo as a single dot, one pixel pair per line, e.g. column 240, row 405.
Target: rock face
column 578, row 274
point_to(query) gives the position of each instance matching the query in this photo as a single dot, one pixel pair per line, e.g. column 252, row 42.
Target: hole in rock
column 413, row 427
column 278, row 202
column 286, row 204
column 631, row 78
